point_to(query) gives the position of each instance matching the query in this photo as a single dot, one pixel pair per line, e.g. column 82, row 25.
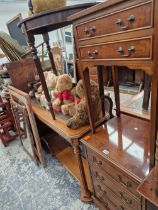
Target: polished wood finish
column 132, row 18
column 149, row 187
column 42, row 24
column 118, row 158
column 125, row 50
column 104, row 36
column 72, row 136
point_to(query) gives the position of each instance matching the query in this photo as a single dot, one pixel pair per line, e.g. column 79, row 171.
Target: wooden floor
column 64, row 153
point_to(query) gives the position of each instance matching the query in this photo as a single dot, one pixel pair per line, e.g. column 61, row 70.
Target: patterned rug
column 25, row 186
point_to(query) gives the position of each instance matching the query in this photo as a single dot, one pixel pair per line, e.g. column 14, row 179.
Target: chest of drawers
column 118, row 161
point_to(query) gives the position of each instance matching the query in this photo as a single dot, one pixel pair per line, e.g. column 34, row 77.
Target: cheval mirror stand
column 122, row 154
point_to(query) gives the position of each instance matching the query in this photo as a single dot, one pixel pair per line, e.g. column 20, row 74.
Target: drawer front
column 116, row 174
column 139, row 16
column 104, row 194
column 126, row 50
column 110, row 200
column 110, row 187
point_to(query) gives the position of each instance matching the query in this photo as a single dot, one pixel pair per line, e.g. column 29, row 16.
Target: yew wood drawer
column 109, row 200
column 134, row 49
column 132, row 18
column 114, row 189
column 104, row 167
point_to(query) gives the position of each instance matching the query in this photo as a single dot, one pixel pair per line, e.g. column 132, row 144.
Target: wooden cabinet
column 118, row 161
column 132, row 18
column 121, row 153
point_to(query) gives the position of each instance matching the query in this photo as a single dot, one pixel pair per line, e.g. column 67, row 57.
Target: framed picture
column 15, row 32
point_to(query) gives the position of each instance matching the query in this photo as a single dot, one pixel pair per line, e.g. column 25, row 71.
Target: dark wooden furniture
column 8, row 131
column 119, row 161
column 120, row 33
column 21, row 73
column 42, row 24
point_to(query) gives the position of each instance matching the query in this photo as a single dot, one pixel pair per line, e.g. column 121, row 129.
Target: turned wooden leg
column 31, row 42
column 50, row 54
column 85, row 193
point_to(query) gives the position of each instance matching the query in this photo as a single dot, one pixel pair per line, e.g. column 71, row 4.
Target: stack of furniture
column 42, row 24
column 122, row 152
column 8, row 130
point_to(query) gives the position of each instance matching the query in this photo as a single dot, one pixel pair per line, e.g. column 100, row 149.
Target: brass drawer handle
column 97, row 163
column 128, row 184
column 130, row 20
column 131, row 50
column 126, row 200
column 89, row 32
column 92, row 55
column 99, row 178
column 103, row 191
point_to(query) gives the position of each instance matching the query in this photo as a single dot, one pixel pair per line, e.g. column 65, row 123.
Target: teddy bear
column 51, row 80
column 64, row 95
column 80, row 117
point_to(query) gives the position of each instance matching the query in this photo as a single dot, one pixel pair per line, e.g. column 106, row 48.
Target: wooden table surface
column 58, row 125
column 127, row 141
column 45, row 22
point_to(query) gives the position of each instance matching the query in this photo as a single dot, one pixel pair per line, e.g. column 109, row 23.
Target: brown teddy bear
column 51, row 80
column 64, row 95
column 80, row 117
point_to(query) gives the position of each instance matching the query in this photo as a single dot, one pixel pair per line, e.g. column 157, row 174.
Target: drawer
column 109, row 201
column 126, row 50
column 136, row 17
column 117, row 197
column 119, row 176
column 114, row 189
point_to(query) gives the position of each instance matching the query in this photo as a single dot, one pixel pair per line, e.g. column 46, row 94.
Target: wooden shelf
column 64, row 153
column 127, row 141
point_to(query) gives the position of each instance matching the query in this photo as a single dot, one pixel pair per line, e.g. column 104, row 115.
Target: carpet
column 25, row 186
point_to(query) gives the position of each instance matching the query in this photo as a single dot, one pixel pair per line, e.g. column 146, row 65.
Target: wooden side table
column 42, row 24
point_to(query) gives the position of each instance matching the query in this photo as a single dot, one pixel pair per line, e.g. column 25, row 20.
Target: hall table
column 72, row 136
column 42, row 24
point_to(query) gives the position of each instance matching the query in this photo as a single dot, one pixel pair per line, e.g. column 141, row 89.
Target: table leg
column 50, row 54
column 116, row 89
column 101, row 87
column 147, row 90
column 31, row 42
column 86, row 84
column 85, row 193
